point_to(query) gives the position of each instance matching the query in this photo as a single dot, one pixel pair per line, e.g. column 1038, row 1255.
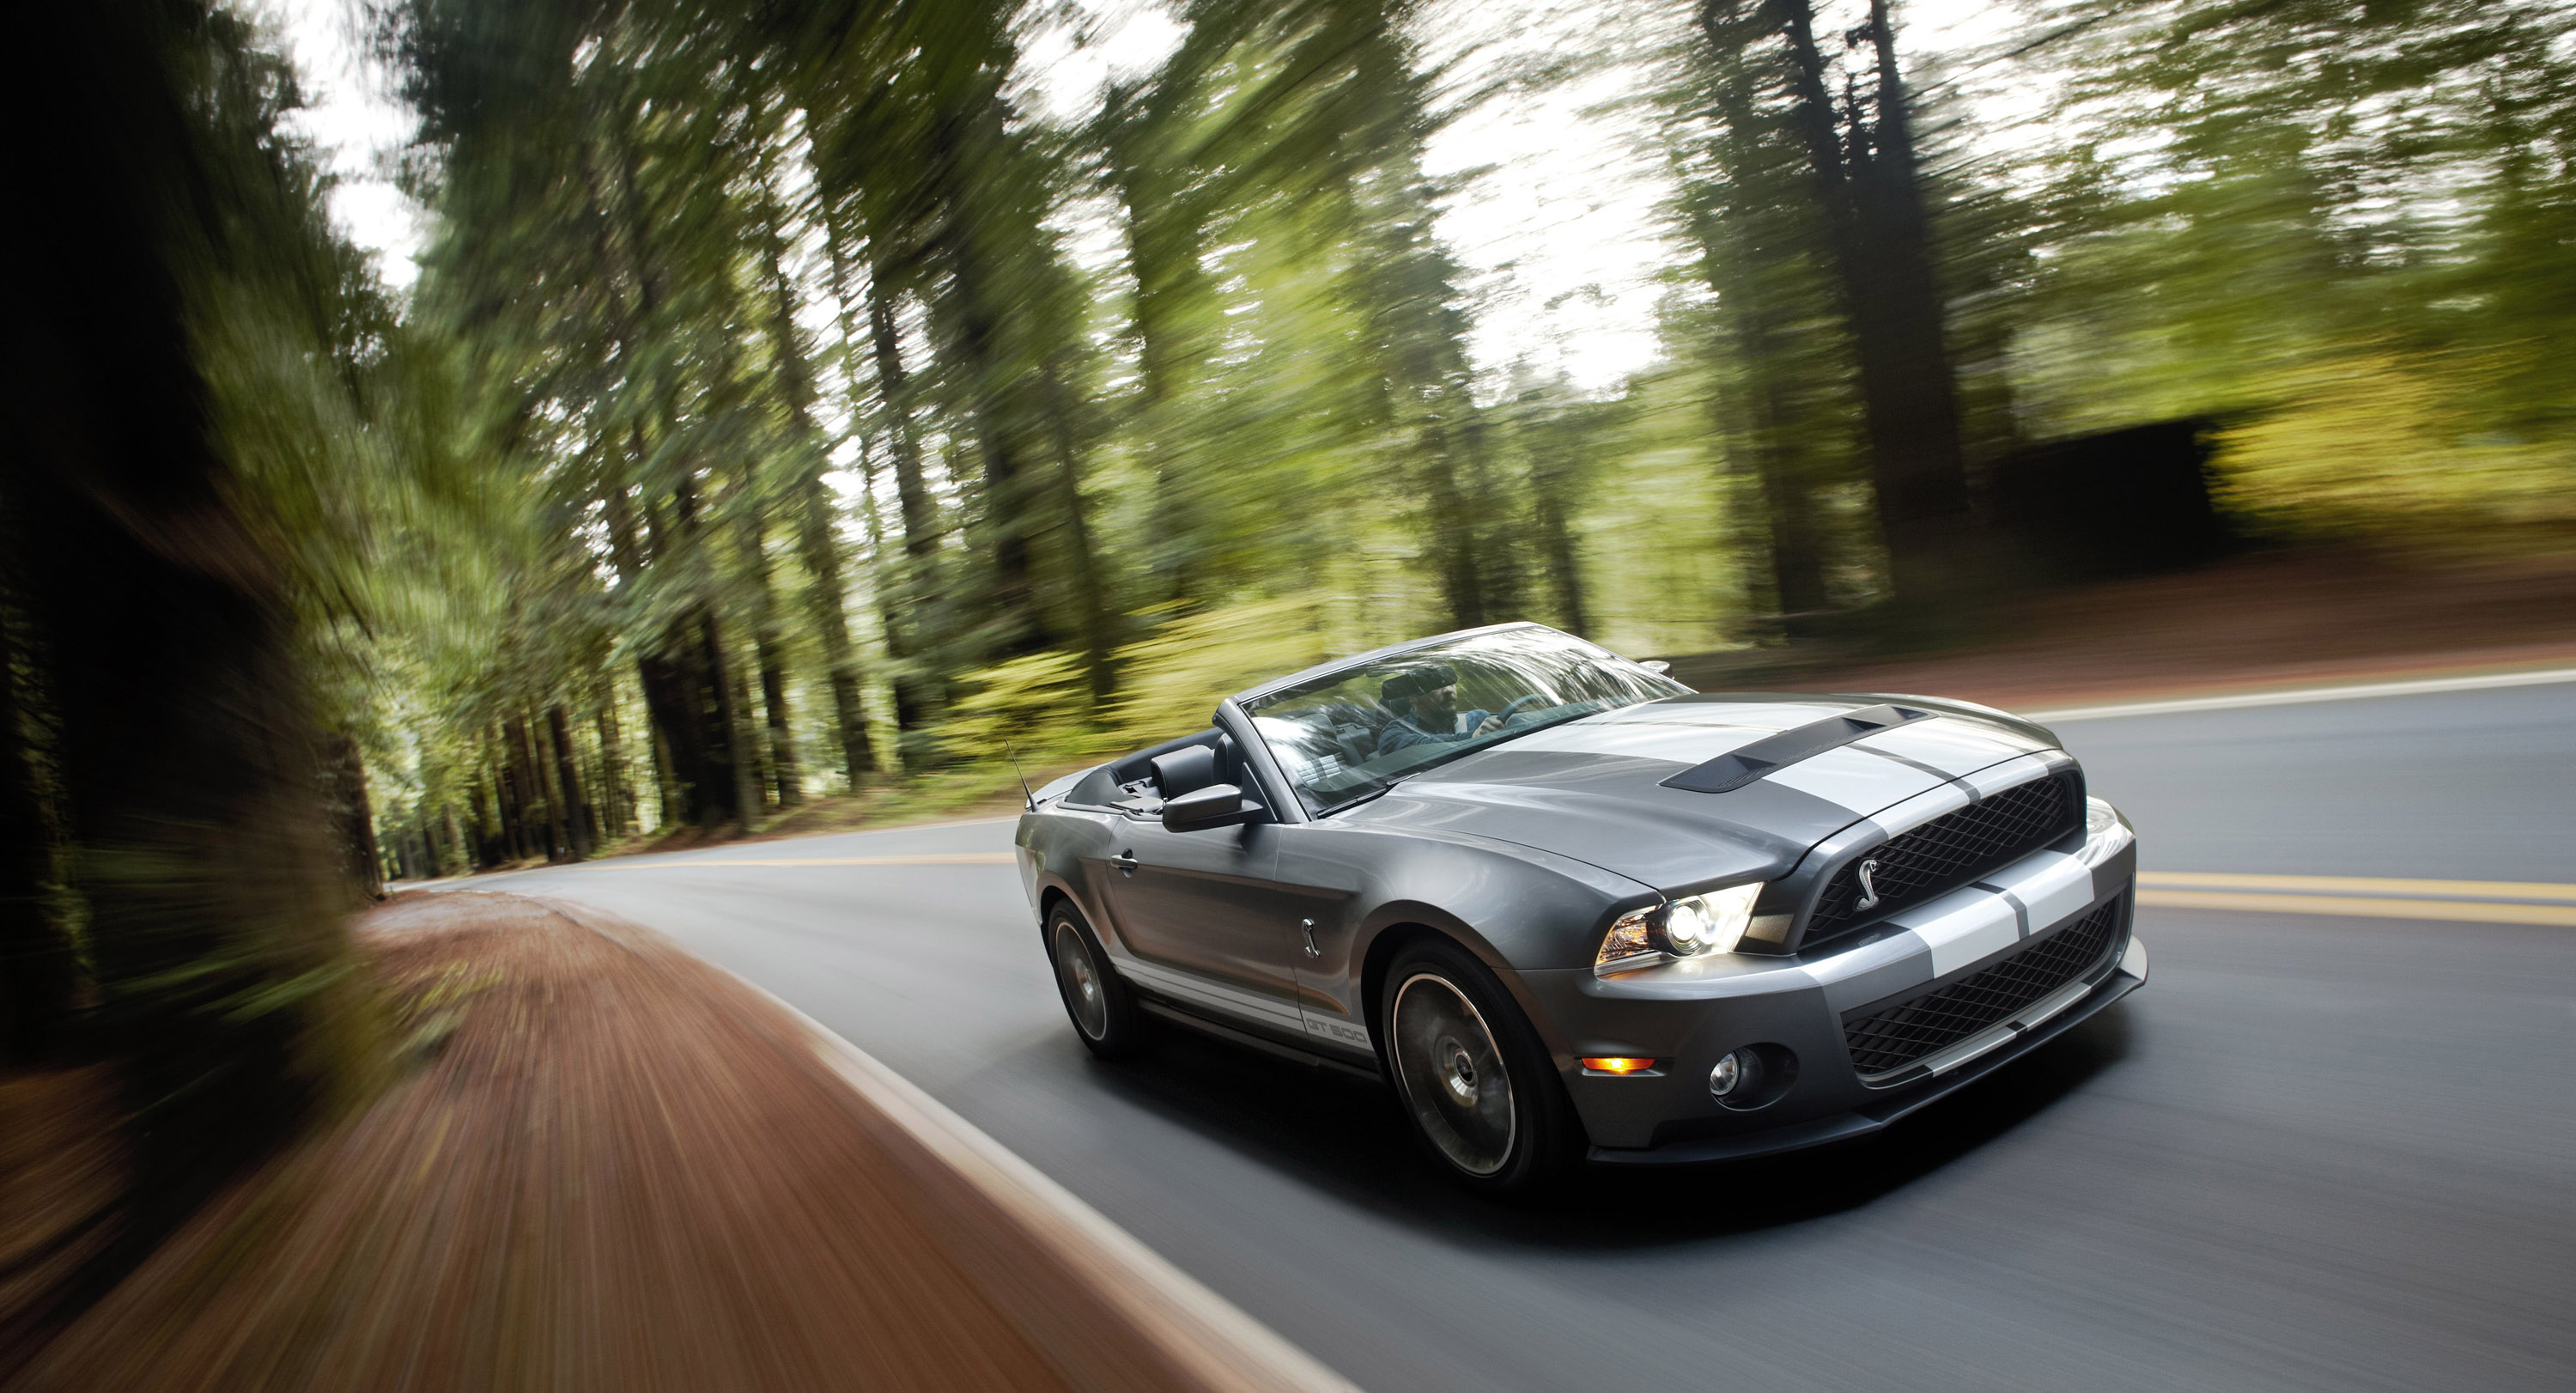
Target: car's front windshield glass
column 1350, row 733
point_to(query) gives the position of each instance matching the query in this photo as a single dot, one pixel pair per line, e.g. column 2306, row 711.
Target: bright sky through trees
column 1559, row 233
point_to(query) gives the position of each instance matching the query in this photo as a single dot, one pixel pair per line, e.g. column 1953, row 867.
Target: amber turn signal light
column 1618, row 1066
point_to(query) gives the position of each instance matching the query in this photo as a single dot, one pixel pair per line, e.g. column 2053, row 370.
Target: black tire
column 1475, row 1082
column 1100, row 1003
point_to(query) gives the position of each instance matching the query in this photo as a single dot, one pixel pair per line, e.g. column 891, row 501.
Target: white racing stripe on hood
column 1993, row 780
column 1951, row 746
column 1849, row 777
column 1682, row 744
column 1769, row 717
column 1898, row 819
column 1856, row 779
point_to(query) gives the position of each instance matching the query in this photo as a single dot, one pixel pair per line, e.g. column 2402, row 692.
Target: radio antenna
column 1024, row 778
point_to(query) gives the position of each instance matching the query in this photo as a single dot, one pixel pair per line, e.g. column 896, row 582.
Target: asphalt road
column 2314, row 1152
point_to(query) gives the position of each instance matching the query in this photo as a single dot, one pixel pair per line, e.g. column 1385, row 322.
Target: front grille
column 1946, row 853
column 1896, row 1036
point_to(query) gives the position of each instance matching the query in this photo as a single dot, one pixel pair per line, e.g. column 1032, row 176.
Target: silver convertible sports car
column 1573, row 909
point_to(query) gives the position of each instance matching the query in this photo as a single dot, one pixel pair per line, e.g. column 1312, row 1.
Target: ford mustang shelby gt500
column 1572, row 908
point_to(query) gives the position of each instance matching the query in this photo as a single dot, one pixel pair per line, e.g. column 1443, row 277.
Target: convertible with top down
column 1572, row 909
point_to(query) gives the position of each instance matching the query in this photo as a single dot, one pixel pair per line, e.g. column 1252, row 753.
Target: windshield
column 1349, row 734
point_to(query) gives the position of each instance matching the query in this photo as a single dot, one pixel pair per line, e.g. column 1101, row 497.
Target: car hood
column 1593, row 789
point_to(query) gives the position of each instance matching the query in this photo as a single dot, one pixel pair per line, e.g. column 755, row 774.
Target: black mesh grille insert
column 1944, row 854
column 1890, row 1039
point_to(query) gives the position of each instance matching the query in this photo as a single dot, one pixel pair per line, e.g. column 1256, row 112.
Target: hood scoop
column 1736, row 768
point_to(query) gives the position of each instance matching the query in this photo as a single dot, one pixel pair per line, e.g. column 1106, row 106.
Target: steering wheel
column 1516, row 704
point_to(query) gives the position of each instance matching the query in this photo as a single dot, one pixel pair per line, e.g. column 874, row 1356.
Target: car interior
column 1139, row 784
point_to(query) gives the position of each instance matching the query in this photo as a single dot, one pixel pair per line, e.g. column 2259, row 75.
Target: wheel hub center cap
column 1458, row 1071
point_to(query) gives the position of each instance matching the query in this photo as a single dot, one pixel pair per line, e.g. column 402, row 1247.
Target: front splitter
column 1860, row 1122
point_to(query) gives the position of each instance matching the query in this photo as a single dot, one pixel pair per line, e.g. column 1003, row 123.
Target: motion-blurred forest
column 789, row 406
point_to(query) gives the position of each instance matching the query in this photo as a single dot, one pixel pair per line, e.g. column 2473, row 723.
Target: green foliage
column 1171, row 682
column 788, row 408
column 2321, row 222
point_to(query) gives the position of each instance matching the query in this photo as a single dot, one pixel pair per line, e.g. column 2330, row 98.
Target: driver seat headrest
column 1185, row 770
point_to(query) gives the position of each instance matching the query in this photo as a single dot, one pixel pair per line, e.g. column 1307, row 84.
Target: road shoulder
column 612, row 1165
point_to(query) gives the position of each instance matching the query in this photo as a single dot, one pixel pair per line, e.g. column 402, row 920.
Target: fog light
column 1740, row 1070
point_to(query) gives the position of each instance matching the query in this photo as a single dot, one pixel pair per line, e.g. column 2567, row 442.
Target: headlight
column 1685, row 928
column 2106, row 832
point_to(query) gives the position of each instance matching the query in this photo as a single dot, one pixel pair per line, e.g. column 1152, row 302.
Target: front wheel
column 1103, row 1009
column 1475, row 1080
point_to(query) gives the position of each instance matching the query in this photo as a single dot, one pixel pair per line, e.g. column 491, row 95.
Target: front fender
column 1516, row 908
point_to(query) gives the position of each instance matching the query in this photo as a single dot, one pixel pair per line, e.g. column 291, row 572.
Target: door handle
column 1126, row 862
column 1307, row 927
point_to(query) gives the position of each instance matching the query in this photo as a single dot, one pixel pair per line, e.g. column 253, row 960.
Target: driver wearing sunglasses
column 1426, row 702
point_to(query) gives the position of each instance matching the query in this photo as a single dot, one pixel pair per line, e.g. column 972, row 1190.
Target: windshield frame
column 1247, row 704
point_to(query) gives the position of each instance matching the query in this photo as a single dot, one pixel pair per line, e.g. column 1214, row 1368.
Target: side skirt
column 1182, row 1016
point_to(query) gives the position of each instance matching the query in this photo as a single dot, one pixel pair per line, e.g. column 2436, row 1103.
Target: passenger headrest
column 1185, row 770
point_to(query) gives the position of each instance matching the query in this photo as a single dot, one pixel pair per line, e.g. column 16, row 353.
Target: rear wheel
column 1476, row 1082
column 1102, row 1007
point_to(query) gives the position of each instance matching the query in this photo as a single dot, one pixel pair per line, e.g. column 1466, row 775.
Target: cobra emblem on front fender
column 1868, row 891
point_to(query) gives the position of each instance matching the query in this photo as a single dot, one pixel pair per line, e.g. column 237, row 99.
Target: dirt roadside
column 612, row 1166
column 2260, row 622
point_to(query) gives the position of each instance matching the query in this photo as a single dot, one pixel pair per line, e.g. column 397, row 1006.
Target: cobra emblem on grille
column 1868, row 892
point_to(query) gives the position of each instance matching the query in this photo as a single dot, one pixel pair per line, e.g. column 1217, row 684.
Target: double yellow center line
column 2468, row 901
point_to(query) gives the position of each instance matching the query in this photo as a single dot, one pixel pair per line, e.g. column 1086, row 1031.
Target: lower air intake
column 1892, row 1037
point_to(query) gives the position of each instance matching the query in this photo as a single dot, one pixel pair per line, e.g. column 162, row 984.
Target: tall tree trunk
column 666, row 781
column 578, row 839
column 913, row 502
column 511, row 787
column 1089, row 602
column 733, row 725
column 686, row 683
column 915, row 572
column 787, row 781
column 887, row 577
column 1406, row 289
column 353, row 822
column 1564, row 573
column 819, row 546
column 541, row 785
column 488, row 836
column 617, row 792
column 688, row 689
column 1164, row 236
column 38, row 972
column 818, row 541
column 1751, row 243
column 905, row 582
column 962, row 155
column 1870, row 187
column 184, row 744
column 1555, row 475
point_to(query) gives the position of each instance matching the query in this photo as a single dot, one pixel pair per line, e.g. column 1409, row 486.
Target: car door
column 1202, row 914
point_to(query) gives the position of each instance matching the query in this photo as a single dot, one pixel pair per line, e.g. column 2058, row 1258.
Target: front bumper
column 1688, row 1015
